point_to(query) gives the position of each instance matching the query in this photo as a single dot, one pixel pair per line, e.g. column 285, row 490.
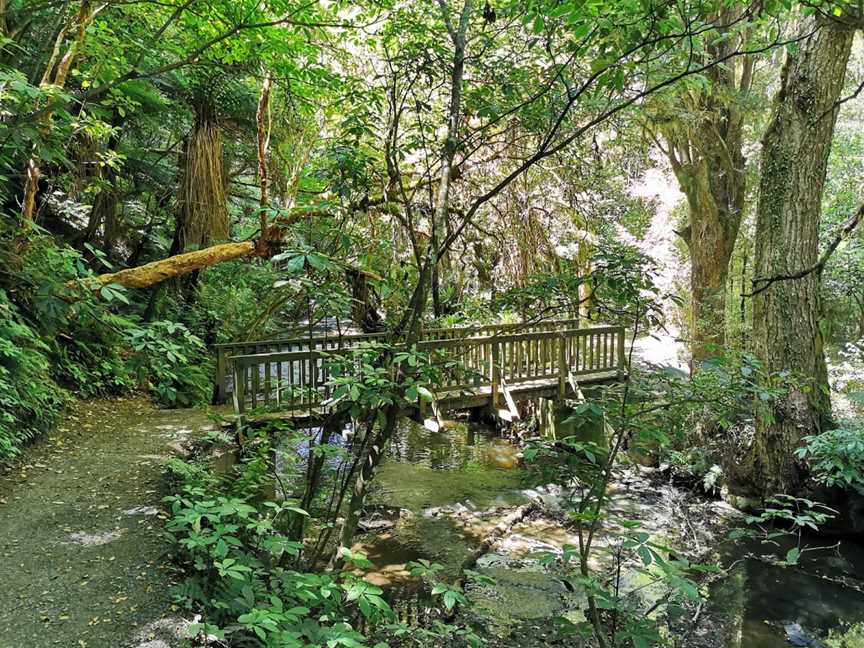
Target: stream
column 439, row 495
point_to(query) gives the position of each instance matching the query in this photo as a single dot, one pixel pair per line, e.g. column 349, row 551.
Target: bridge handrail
column 433, row 344
column 336, row 337
column 224, row 350
column 527, row 356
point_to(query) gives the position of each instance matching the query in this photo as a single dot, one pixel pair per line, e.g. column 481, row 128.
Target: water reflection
column 760, row 598
column 463, row 446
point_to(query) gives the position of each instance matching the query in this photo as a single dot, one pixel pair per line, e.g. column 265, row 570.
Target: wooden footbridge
column 493, row 367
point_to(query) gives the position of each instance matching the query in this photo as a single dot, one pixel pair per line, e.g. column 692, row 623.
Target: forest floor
column 83, row 558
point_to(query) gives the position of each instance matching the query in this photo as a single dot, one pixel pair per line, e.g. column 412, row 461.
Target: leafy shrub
column 836, row 457
column 235, row 545
column 30, row 400
column 245, row 573
column 846, row 637
column 82, row 331
column 172, row 361
column 230, row 301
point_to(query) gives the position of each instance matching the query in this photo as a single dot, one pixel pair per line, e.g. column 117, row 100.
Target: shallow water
column 760, row 599
column 462, row 468
column 453, row 486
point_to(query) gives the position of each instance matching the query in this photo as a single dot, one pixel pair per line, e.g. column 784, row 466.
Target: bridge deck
column 480, row 396
column 488, row 366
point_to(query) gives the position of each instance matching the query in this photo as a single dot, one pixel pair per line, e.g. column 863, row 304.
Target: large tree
column 786, row 312
column 702, row 128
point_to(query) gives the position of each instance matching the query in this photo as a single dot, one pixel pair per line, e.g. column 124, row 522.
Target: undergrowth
column 59, row 337
column 247, row 579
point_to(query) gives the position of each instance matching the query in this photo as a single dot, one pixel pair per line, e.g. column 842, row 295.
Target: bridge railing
column 299, row 380
column 226, row 351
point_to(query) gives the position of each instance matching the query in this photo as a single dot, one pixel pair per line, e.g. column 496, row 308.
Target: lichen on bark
column 786, row 316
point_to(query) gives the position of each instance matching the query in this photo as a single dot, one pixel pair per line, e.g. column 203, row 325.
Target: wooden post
column 495, row 372
column 562, row 367
column 239, row 387
column 621, row 358
column 221, row 387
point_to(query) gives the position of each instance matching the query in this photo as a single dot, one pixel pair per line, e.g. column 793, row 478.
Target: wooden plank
column 239, row 348
column 279, row 385
column 256, row 383
column 511, row 404
column 621, row 359
column 221, row 375
column 574, row 385
column 303, row 382
column 495, row 372
column 562, row 367
column 436, row 423
column 267, row 383
column 239, row 388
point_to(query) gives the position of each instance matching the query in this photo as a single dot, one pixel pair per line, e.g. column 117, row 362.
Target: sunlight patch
column 94, row 539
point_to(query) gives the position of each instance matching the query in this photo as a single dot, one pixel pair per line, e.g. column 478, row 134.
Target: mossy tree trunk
column 715, row 200
column 704, row 144
column 786, row 315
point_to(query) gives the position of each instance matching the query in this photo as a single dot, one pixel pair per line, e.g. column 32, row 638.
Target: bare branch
column 845, row 230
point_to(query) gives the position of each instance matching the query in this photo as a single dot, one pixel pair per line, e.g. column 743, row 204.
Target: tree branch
column 845, row 230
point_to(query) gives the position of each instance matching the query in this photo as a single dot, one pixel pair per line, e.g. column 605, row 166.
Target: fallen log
column 178, row 265
column 501, row 529
column 175, row 266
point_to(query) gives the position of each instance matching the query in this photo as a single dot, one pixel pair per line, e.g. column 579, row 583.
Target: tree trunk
column 178, row 265
column 786, row 315
column 705, row 149
column 203, row 214
column 859, row 301
column 716, row 201
column 56, row 70
column 377, row 448
column 458, row 34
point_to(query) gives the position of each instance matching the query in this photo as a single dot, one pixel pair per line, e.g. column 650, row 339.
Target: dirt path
column 83, row 562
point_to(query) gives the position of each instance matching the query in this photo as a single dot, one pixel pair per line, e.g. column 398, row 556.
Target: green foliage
column 30, row 400
column 798, row 512
column 657, row 582
column 851, row 636
column 52, row 337
column 236, row 548
column 82, row 328
column 172, row 361
column 836, row 457
column 670, row 582
column 229, row 301
column 786, row 515
column 373, row 376
column 667, row 408
column 242, row 562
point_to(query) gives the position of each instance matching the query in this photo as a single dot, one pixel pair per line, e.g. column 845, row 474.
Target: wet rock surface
column 84, row 562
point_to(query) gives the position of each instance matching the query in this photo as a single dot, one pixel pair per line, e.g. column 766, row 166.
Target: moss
column 521, row 596
column 850, row 637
